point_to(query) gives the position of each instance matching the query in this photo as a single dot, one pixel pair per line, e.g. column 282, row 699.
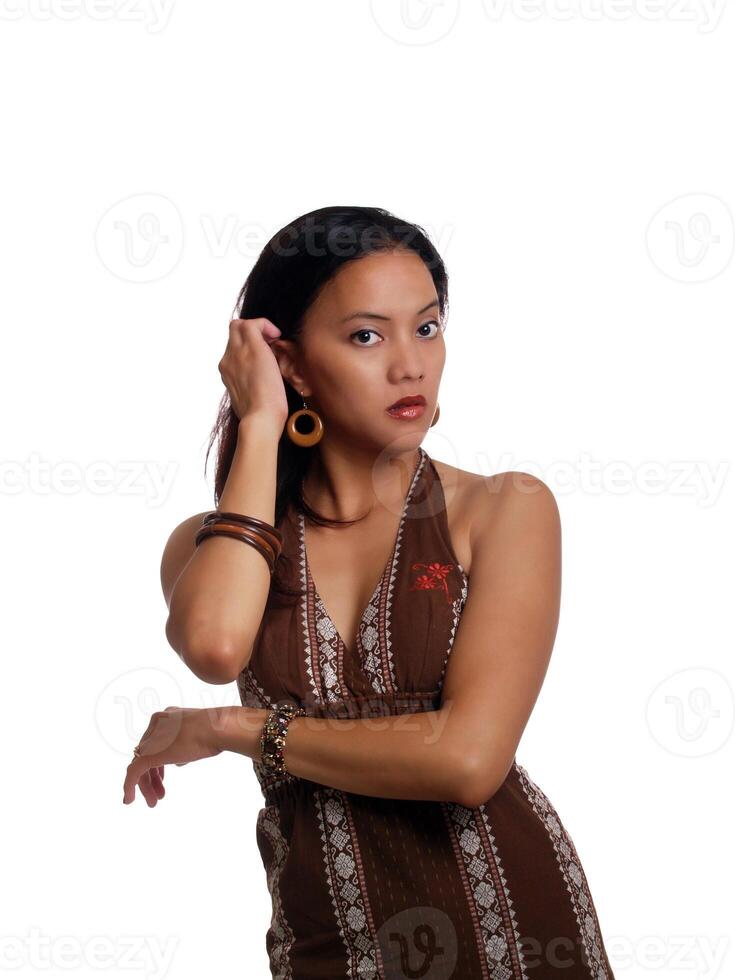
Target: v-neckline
column 310, row 578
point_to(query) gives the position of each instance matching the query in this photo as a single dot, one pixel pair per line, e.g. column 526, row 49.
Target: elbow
column 210, row 666
column 477, row 784
column 213, row 661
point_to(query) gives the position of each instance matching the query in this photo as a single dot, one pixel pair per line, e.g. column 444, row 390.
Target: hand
column 176, row 735
column 251, row 373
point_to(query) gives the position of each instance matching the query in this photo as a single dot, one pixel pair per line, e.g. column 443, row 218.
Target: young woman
column 382, row 698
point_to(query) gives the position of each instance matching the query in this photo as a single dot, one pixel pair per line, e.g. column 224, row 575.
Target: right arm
column 216, row 592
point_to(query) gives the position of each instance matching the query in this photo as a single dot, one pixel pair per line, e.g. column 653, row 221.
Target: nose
column 407, row 360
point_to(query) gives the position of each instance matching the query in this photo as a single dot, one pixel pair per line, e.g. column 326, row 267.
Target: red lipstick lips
column 408, row 400
column 409, row 407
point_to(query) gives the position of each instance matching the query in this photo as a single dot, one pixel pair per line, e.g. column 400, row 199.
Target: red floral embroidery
column 434, row 578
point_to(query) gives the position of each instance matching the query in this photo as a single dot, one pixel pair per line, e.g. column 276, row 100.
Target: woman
column 399, row 835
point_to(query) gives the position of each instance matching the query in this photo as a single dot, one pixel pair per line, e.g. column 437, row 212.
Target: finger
column 157, row 783
column 146, row 789
column 131, row 780
column 139, row 765
column 249, row 329
column 236, row 334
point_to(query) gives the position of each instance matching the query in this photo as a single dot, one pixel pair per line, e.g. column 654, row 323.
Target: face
column 371, row 337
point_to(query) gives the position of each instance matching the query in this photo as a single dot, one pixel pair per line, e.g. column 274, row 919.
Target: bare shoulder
column 512, row 509
column 178, row 550
column 484, row 510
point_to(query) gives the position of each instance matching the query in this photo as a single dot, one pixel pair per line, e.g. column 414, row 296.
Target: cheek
column 344, row 377
column 354, row 393
column 338, row 381
column 440, row 357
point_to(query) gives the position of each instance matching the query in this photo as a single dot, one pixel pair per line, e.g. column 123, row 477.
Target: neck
column 346, row 485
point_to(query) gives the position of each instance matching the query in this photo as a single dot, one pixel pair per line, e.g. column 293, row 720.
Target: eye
column 362, row 333
column 366, row 331
column 430, row 323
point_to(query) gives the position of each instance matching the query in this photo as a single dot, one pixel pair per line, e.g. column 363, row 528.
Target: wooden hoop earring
column 436, row 415
column 304, row 438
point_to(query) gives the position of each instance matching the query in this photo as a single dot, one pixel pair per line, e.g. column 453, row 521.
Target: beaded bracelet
column 273, row 737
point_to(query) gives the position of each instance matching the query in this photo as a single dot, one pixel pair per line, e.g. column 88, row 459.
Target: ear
column 288, row 355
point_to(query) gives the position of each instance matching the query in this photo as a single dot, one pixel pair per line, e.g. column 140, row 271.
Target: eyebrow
column 380, row 316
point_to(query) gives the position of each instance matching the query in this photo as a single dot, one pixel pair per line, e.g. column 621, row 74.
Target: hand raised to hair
column 250, row 371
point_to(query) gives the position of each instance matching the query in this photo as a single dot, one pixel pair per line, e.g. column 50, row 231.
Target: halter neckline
column 423, row 457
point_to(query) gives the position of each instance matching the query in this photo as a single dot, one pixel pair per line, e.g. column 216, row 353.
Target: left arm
column 494, row 681
column 498, row 661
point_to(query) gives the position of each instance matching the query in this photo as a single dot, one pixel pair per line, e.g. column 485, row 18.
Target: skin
column 505, row 530
column 350, row 372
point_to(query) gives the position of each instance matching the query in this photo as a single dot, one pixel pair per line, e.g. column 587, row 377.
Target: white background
column 573, row 161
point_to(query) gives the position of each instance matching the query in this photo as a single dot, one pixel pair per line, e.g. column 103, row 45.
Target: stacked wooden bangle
column 268, row 541
column 258, row 534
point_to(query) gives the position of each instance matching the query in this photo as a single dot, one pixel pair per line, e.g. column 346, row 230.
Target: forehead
column 391, row 283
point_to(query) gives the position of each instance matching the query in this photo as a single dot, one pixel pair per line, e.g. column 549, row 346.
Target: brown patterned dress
column 369, row 887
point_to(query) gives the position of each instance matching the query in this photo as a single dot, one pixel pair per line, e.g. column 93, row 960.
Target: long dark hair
column 294, row 265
